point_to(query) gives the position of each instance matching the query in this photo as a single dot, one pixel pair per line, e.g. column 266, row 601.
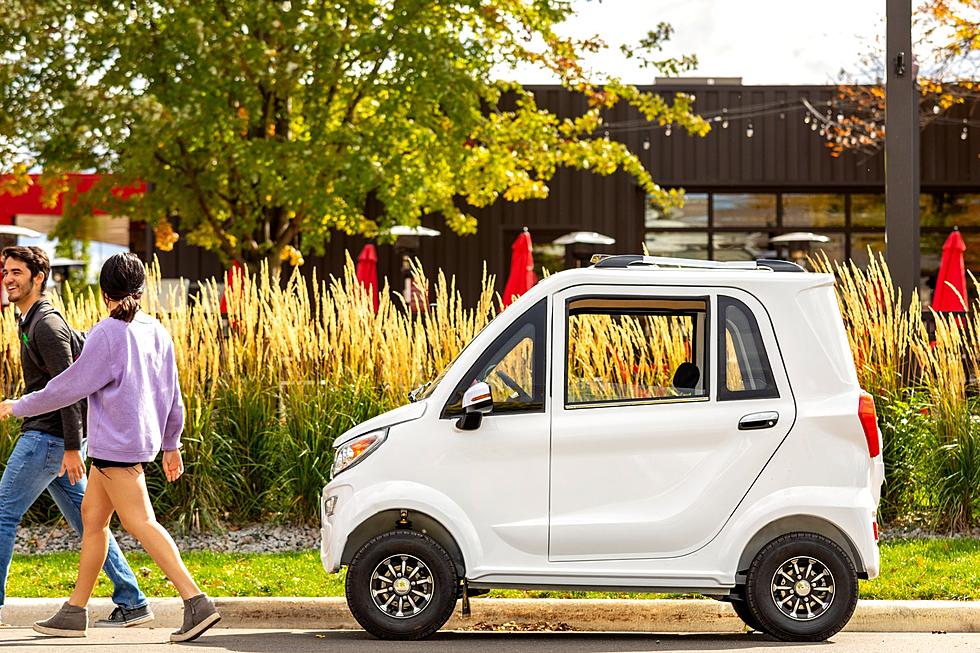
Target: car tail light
column 869, row 422
column 874, row 525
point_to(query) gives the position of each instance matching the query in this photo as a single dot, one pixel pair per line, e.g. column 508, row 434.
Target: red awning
column 29, row 203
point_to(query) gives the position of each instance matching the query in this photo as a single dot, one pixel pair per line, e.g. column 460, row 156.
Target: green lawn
column 918, row 569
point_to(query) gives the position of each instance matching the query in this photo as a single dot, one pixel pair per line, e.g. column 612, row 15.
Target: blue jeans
column 32, row 467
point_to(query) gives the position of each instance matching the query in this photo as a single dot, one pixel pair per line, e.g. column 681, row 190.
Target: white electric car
column 644, row 424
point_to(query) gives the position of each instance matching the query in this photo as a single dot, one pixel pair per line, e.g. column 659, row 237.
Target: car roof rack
column 620, row 261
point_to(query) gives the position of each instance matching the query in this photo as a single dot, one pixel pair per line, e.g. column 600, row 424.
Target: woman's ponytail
column 126, row 310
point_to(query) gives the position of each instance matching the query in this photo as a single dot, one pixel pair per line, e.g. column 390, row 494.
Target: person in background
column 128, row 371
column 50, row 451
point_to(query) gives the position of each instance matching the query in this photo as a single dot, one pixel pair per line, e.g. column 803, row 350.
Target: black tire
column 403, row 613
column 796, row 611
column 742, row 610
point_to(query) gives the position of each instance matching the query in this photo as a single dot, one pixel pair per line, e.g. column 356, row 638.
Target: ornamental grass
column 294, row 363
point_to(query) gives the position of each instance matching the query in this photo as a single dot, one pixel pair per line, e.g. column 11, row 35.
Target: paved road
column 144, row 640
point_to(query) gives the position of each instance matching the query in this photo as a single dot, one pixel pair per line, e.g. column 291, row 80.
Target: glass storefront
column 741, row 226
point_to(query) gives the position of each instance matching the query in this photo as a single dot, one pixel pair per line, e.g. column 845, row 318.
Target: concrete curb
column 661, row 616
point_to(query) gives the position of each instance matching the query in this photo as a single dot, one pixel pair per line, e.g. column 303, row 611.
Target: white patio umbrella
column 402, row 230
column 800, row 237
column 584, row 238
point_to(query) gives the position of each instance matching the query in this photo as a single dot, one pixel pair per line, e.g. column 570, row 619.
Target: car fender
column 414, row 497
column 848, row 510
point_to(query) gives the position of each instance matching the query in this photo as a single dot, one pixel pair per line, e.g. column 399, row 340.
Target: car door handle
column 756, row 421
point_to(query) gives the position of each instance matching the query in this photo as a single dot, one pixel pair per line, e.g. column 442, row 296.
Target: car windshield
column 428, row 388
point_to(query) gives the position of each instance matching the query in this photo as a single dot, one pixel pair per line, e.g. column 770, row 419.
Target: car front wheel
column 801, row 587
column 401, row 585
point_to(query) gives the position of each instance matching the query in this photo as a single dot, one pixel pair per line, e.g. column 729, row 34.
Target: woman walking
column 128, row 372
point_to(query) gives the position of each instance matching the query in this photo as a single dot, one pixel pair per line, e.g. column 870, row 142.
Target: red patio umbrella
column 522, row 276
column 367, row 272
column 950, row 292
column 233, row 283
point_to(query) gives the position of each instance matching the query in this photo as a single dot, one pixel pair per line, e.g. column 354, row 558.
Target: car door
column 658, row 434
column 498, row 473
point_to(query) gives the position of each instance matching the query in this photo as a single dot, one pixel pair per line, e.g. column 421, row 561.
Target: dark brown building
column 763, row 171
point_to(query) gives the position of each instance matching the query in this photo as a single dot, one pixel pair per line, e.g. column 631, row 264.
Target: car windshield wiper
column 414, row 394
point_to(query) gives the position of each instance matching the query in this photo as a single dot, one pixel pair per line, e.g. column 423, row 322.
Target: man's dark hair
column 123, row 279
column 35, row 258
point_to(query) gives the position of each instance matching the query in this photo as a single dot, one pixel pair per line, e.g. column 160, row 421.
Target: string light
column 667, row 131
column 964, row 134
column 936, row 109
column 646, row 144
column 813, row 127
column 806, row 118
column 724, row 124
column 749, row 131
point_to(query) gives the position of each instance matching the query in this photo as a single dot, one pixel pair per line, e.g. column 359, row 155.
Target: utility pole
column 901, row 151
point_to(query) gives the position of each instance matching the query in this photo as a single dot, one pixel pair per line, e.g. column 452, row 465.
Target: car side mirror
column 477, row 400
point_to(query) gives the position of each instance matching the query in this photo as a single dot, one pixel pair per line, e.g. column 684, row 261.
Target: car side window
column 635, row 350
column 513, row 366
column 743, row 366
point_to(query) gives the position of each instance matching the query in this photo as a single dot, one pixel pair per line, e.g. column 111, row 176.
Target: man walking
column 50, row 453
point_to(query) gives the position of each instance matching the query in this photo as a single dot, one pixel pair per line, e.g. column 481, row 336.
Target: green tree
column 263, row 125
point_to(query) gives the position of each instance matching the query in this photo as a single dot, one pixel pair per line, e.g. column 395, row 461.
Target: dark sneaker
column 71, row 621
column 125, row 617
column 199, row 615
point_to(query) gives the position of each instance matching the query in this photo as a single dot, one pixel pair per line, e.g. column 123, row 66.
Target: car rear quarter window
column 744, row 371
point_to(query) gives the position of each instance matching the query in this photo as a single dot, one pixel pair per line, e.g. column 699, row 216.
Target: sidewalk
column 664, row 616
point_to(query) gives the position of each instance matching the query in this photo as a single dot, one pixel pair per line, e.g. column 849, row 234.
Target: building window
column 868, row 210
column 693, row 214
column 813, row 211
column 861, row 242
column 682, row 244
column 948, row 210
column 741, row 245
column 744, row 210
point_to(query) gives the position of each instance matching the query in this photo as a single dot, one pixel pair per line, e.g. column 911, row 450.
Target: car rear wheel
column 801, row 587
column 401, row 585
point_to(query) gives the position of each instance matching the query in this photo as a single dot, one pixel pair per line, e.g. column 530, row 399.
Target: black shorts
column 100, row 464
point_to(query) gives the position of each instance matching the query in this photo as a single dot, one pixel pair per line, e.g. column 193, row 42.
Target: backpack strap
column 42, row 313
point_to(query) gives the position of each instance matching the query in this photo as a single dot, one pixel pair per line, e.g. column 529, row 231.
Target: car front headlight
column 353, row 452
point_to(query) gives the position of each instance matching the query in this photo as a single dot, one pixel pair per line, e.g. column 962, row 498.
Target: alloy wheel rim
column 402, row 586
column 803, row 588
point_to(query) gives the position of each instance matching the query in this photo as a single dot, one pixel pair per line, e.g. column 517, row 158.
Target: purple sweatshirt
column 129, row 374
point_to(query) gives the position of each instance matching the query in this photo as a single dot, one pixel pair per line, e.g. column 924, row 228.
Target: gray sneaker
column 199, row 615
column 125, row 617
column 70, row 621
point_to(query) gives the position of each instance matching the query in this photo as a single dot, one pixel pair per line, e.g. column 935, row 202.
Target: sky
column 761, row 41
